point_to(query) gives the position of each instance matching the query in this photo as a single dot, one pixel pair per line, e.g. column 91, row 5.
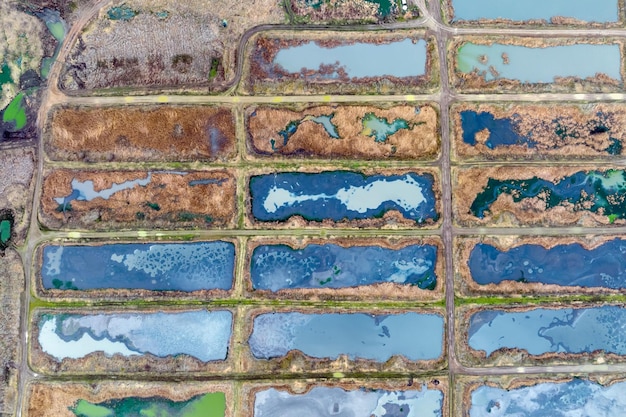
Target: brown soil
column 296, row 362
column 520, row 357
column 11, row 288
column 97, row 363
column 504, row 212
column 540, row 122
column 392, row 219
column 167, row 133
column 264, row 77
column 475, row 83
column 438, row 382
column 120, row 294
column 421, row 141
column 380, row 292
column 17, row 187
column 158, row 51
column 466, row 385
column 168, row 201
column 466, row 286
column 55, row 399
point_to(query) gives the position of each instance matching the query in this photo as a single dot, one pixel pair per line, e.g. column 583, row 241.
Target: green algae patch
column 57, row 30
column 5, row 231
column 204, row 405
column 5, row 74
column 15, row 112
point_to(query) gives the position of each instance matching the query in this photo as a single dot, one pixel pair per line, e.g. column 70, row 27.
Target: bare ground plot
column 378, row 291
column 415, row 137
column 560, row 130
column 537, row 195
column 164, row 43
column 490, row 80
column 17, row 188
column 11, row 287
column 263, row 76
column 57, row 399
column 163, row 133
column 167, row 200
column 466, row 286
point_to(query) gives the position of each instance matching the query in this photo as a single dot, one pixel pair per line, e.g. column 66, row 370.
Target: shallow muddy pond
column 201, row 334
column 584, row 10
column 539, row 65
column 203, row 405
column 337, row 402
column 578, row 397
column 541, row 330
column 339, row 195
column 155, row 266
column 404, row 58
column 416, row 336
column 567, row 265
column 276, row 267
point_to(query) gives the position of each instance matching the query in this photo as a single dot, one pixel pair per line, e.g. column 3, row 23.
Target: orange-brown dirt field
column 504, row 212
column 539, row 122
column 167, row 201
column 475, row 83
column 295, row 387
column 519, row 357
column 163, row 133
column 297, row 362
column 378, row 292
column 466, row 286
column 55, row 399
column 420, row 141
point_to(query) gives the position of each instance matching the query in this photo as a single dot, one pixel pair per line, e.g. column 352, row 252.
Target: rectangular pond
column 576, row 397
column 147, row 266
column 538, row 64
column 343, row 195
column 204, row 335
column 601, row 11
column 278, row 267
column 327, row 402
column 539, row 331
column 415, row 336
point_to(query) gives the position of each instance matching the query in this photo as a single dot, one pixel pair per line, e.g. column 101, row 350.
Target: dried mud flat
column 473, row 82
column 263, row 77
column 11, row 287
column 561, row 131
column 520, row 357
column 295, row 387
column 55, row 399
column 169, row 200
column 296, row 362
column 267, row 125
column 17, row 187
column 379, row 291
column 164, row 43
column 466, row 286
column 163, row 133
column 468, row 183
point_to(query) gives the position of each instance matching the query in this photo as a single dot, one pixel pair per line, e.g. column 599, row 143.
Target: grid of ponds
column 339, row 287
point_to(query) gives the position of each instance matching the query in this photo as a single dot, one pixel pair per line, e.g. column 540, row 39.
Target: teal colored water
column 539, row 65
column 358, row 60
column 604, row 11
column 380, row 128
column 5, row 231
column 5, row 74
column 122, row 12
column 203, row 405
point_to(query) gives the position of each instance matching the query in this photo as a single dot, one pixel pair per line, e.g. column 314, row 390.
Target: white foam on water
column 53, row 260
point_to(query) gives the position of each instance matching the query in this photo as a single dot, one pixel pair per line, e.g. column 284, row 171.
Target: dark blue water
column 592, row 191
column 578, row 397
column 568, row 265
column 149, row 266
column 276, row 267
column 542, row 330
column 339, row 195
column 502, row 132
